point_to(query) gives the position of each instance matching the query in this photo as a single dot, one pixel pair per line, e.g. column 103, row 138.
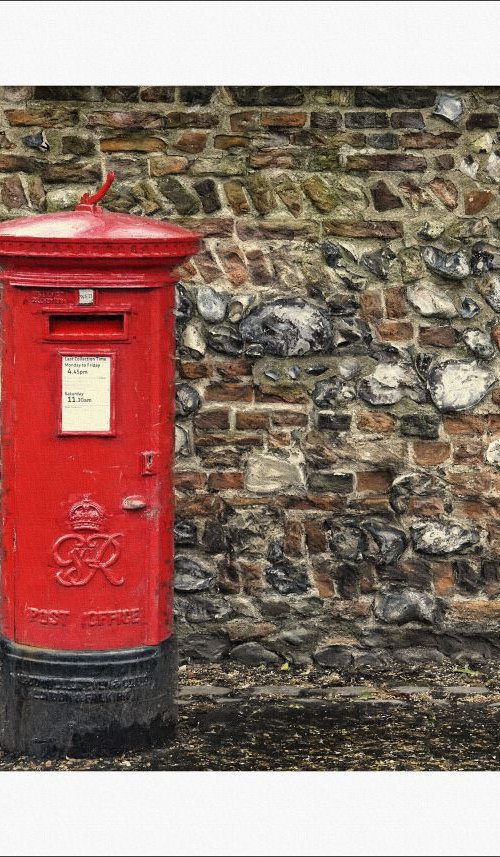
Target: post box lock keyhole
column 148, row 463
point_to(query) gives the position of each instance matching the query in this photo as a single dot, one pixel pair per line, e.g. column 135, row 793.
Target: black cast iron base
column 55, row 703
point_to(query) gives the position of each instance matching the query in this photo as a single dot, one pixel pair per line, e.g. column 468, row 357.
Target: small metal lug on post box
column 87, row 647
column 133, row 503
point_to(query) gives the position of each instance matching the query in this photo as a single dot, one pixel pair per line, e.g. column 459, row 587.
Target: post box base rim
column 55, row 703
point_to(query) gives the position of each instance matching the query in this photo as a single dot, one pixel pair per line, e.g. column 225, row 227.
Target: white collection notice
column 86, row 393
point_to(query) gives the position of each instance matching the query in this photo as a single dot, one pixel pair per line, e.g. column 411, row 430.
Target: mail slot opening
column 87, row 326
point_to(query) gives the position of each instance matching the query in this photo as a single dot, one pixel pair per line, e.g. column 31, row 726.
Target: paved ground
column 241, row 719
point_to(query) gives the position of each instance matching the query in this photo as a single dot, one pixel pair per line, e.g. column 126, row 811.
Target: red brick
column 44, row 117
column 426, row 507
column 247, row 120
column 375, row 421
column 374, row 480
column 364, row 228
column 444, row 580
column 231, row 141
column 324, row 576
column 192, row 142
column 294, row 537
column 469, row 451
column 424, row 140
column 470, row 482
column 283, row 120
column 430, row 453
column 291, row 394
column 277, row 440
column 189, row 480
column 229, row 392
column 191, row 370
column 438, row 336
column 124, row 119
column 289, row 418
column 193, row 119
column 215, row 419
column 229, row 439
column 372, row 306
column 395, row 302
column 446, row 191
column 316, row 536
column 252, row 420
column 395, row 331
column 225, row 480
column 232, row 370
column 476, row 200
column 464, row 424
column 202, row 506
column 376, row 163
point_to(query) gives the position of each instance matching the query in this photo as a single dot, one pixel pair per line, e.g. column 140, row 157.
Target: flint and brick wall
column 338, row 434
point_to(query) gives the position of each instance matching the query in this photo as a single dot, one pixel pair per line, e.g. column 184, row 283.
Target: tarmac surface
column 242, row 719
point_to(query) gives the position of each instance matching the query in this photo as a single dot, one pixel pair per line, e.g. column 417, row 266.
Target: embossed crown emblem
column 86, row 515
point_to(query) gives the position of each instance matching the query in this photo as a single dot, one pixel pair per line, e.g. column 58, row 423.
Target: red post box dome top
column 91, row 231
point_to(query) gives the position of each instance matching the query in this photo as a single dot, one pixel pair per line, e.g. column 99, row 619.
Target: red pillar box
column 87, row 503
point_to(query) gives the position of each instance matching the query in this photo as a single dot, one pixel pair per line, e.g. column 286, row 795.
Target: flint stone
column 450, row 107
column 190, row 576
column 420, row 425
column 185, row 533
column 453, row 266
column 352, row 281
column 348, row 541
column 470, row 308
column 181, row 441
column 206, row 647
column 410, row 485
column 429, row 302
column 397, row 607
column 326, row 394
column 275, row 551
column 287, row 327
column 379, row 262
column 493, row 453
column 348, row 332
column 458, row 385
column 390, row 543
column 210, row 304
column 207, row 610
column 442, row 537
column 493, row 166
column 193, row 338
column 36, row 141
column 479, row 343
column 225, row 339
column 253, row 654
column 183, row 305
column 389, row 383
column 468, row 166
column 214, row 538
column 239, row 307
column 342, row 304
column 431, row 230
column 332, row 254
column 483, row 143
column 485, row 257
column 187, row 400
column 286, row 579
column 489, row 287
column 268, row 474
column 335, row 657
